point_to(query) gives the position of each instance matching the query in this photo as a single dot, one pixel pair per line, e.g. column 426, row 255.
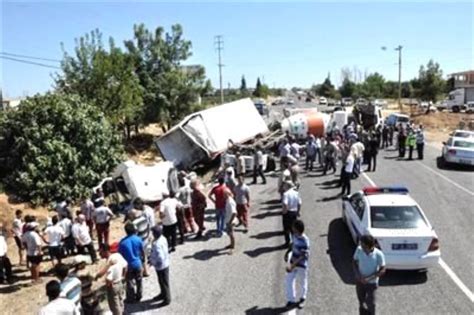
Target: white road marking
column 447, row 179
column 443, row 265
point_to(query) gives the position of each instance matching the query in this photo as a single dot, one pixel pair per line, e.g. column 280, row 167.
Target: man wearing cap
column 83, row 238
column 160, row 259
column 115, row 271
column 291, row 203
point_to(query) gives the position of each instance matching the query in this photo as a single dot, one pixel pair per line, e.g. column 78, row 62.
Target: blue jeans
column 220, row 220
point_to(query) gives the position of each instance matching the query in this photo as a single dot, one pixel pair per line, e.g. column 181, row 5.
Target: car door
column 352, row 215
column 358, row 205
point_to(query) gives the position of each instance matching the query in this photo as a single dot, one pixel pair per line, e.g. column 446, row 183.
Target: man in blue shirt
column 369, row 265
column 298, row 265
column 160, row 259
column 131, row 248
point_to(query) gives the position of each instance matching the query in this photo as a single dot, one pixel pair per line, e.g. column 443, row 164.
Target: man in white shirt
column 168, row 208
column 291, row 203
column 5, row 264
column 102, row 215
column 184, row 196
column 69, row 242
column 83, row 238
column 240, row 164
column 114, row 271
column 17, row 229
column 230, row 214
column 347, row 170
column 357, row 149
column 160, row 259
column 258, row 165
column 55, row 235
column 34, row 253
column 57, row 305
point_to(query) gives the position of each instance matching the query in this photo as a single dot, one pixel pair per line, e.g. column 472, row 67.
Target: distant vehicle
column 442, row 105
column 458, row 150
column 458, row 99
column 368, row 115
column 424, row 104
column 323, row 101
column 339, row 109
column 346, row 101
column 278, row 101
column 396, row 119
column 361, row 102
column 308, row 100
column 380, row 102
column 331, row 102
column 470, row 107
column 290, row 102
column 412, row 102
column 463, row 134
column 401, row 229
column 262, row 108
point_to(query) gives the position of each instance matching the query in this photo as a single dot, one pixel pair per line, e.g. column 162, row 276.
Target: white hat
column 81, row 259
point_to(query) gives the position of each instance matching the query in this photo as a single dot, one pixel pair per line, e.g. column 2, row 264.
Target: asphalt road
column 205, row 279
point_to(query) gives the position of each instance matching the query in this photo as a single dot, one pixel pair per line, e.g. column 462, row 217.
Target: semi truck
column 458, row 99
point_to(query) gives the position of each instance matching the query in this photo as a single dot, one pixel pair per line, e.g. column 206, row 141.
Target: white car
column 458, row 149
column 470, row 107
column 398, row 224
column 323, row 101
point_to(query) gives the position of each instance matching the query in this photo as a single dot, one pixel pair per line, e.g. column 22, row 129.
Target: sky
column 284, row 43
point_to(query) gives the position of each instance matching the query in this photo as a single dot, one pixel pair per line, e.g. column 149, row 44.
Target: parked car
column 361, row 102
column 346, row 101
column 396, row 119
column 323, row 101
column 331, row 102
column 463, row 134
column 290, row 102
column 458, row 150
column 380, row 102
column 262, row 108
column 470, row 107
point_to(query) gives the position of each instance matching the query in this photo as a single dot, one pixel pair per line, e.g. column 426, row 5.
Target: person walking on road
column 402, row 137
column 347, row 173
column 216, row 195
column 297, row 270
column 199, row 205
column 258, row 165
column 291, row 203
column 132, row 250
column 369, row 266
column 310, row 153
column 391, row 131
column 34, row 252
column 240, row 163
column 420, row 142
column 242, row 198
column 168, row 213
column 230, row 214
column 373, row 150
column 102, row 216
column 411, row 141
column 330, row 154
column 385, row 137
column 160, row 259
column 87, row 209
column 5, row 263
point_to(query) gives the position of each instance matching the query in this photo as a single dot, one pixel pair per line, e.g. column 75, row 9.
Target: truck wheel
column 456, row 109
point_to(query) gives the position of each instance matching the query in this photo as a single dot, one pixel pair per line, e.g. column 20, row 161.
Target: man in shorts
column 55, row 235
column 17, row 229
column 34, row 253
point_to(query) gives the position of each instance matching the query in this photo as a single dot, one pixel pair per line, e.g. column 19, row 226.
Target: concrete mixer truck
column 299, row 125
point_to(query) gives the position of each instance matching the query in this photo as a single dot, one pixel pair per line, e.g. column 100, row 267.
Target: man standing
column 55, row 235
column 69, row 243
column 298, row 265
column 184, row 196
column 34, row 253
column 283, row 152
column 402, row 137
column 390, row 135
column 216, row 195
column 385, row 137
column 115, row 271
column 258, row 165
column 160, row 259
column 357, row 149
column 291, row 203
column 242, row 198
column 411, row 141
column 330, row 154
column 295, row 149
column 57, row 304
column 240, row 164
column 347, row 173
column 5, row 263
column 83, row 238
column 369, row 265
column 132, row 250
column 420, row 142
column 373, row 150
column 199, row 205
column 230, row 214
column 102, row 216
column 310, row 153
column 17, row 229
column 87, row 209
column 168, row 213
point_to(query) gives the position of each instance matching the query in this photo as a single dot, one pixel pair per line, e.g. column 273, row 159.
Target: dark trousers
column 419, row 148
column 329, row 163
column 169, row 231
column 366, row 295
column 134, row 279
column 318, row 155
column 69, row 245
column 288, row 219
column 410, row 152
column 309, row 162
column 258, row 171
column 103, row 233
column 181, row 224
column 401, row 150
column 372, row 157
column 346, row 182
column 198, row 213
column 5, row 269
column 384, row 143
column 164, row 282
column 90, row 250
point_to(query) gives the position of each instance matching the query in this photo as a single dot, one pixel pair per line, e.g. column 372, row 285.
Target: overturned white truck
column 202, row 136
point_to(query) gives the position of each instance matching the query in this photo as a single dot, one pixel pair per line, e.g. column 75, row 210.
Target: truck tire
column 455, row 109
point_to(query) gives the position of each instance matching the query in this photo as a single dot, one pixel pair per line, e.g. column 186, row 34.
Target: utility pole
column 399, row 48
column 219, row 42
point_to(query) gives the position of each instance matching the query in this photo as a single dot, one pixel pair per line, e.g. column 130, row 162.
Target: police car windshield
column 464, row 144
column 396, row 217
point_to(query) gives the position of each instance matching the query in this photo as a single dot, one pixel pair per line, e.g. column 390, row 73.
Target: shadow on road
column 271, row 202
column 391, row 157
column 403, row 277
column 266, row 310
column 272, row 207
column 264, row 250
column 327, row 199
column 265, row 235
column 143, row 306
column 266, row 214
column 207, row 254
column 440, row 164
column 340, row 250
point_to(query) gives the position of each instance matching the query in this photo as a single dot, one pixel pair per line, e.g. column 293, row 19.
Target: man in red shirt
column 217, row 196
column 199, row 205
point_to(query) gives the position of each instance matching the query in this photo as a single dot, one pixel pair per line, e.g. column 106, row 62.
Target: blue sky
column 287, row 44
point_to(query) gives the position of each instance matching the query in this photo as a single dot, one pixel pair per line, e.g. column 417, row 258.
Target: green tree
column 391, row 89
column 327, row 89
column 431, row 82
column 373, row 85
column 347, row 88
column 261, row 90
column 243, row 87
column 56, row 145
column 104, row 78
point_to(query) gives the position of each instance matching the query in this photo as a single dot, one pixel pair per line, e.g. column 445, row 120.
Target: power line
column 30, row 62
column 219, row 42
column 29, row 57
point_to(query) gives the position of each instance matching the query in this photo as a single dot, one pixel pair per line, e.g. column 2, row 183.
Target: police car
column 398, row 224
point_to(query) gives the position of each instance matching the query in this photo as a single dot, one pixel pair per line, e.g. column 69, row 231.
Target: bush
column 56, row 146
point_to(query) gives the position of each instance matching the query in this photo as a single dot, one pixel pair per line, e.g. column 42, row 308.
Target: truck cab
column 456, row 100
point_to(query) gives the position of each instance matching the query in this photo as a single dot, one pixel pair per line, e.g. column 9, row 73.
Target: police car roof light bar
column 385, row 190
